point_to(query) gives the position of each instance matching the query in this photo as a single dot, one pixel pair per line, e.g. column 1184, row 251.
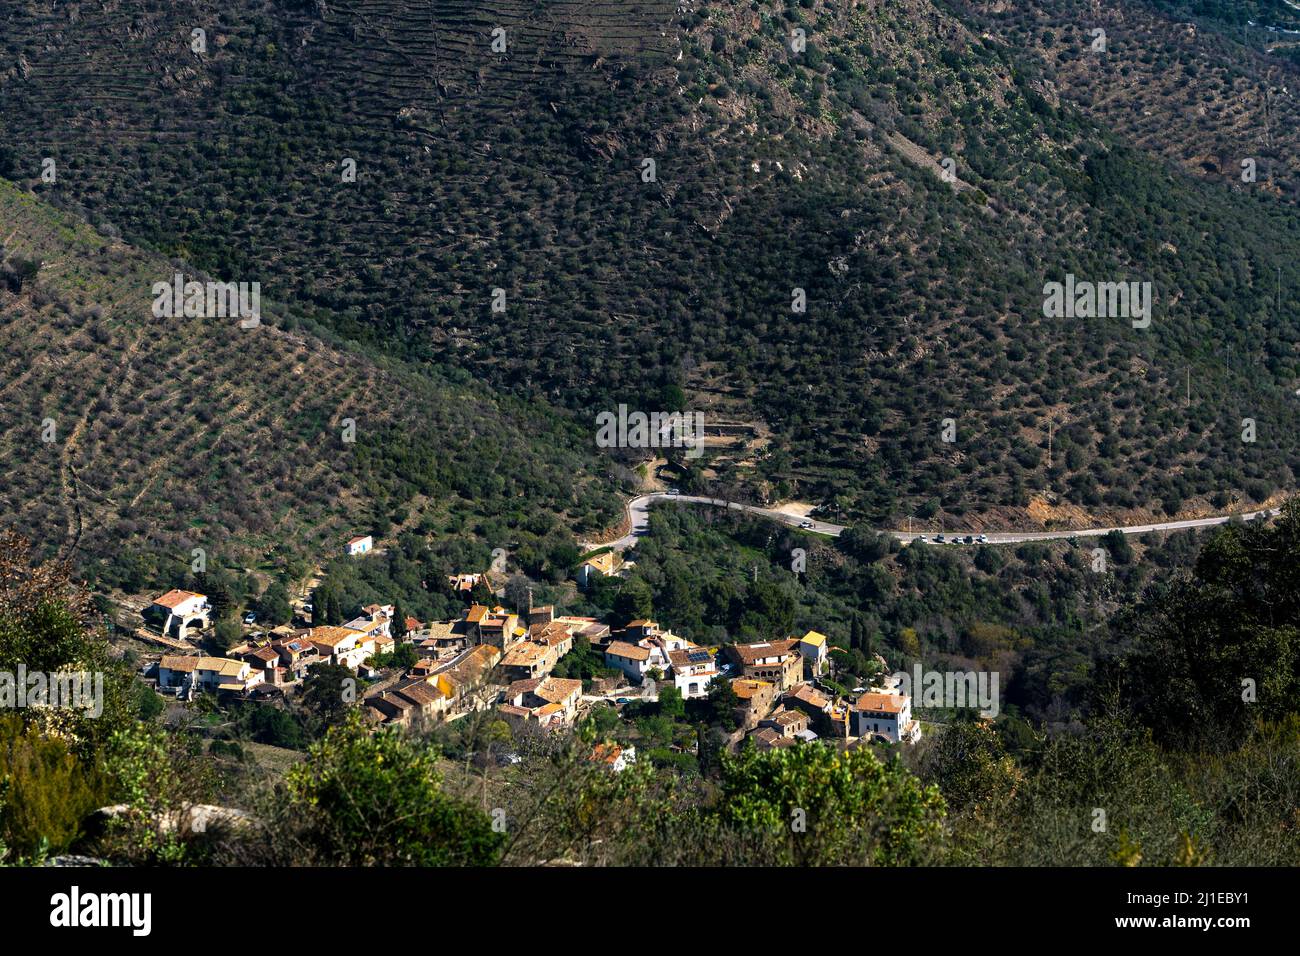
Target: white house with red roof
column 617, row 757
column 362, row 544
column 693, row 671
column 887, row 715
column 178, row 611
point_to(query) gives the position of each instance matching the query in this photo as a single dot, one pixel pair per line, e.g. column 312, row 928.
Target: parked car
column 250, row 618
column 969, row 539
column 983, row 539
column 919, row 537
column 674, row 491
column 623, row 700
column 805, row 524
column 939, row 539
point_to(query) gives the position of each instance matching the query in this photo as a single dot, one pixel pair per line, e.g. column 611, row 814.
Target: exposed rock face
column 74, row 859
column 194, row 818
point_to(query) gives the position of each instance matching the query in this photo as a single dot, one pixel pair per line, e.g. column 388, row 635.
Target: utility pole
column 1050, row 424
column 1189, row 386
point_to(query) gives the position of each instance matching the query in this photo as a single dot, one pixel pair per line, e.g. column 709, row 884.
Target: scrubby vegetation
column 133, row 441
column 775, row 170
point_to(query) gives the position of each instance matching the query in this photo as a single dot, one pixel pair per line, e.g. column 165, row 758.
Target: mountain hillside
column 130, row 438
column 795, row 146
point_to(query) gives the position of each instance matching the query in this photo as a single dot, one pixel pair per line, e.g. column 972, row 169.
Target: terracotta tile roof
column 221, row 665
column 604, row 563
column 175, row 597
column 332, row 636
column 525, row 655
column 809, row 695
column 690, row 657
column 552, row 632
column 553, row 690
column 629, row 651
column 788, row 718
column 294, row 645
column 557, row 689
column 418, row 691
column 443, row 631
column 883, row 703
column 472, row 666
column 767, row 739
column 389, row 705
column 749, row 654
column 745, row 689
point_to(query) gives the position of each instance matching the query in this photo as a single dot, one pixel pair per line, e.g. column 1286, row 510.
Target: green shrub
column 45, row 791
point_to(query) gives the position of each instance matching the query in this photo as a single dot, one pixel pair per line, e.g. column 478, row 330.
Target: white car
column 805, row 524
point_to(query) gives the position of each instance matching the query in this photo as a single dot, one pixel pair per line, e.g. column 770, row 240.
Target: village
column 414, row 674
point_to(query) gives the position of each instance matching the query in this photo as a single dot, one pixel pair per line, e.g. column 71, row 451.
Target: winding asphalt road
column 638, row 510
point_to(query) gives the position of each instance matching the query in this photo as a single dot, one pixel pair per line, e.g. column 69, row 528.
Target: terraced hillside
column 776, row 168
column 124, row 433
column 1204, row 85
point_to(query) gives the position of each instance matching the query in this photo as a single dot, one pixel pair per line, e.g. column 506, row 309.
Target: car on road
column 983, row 539
column 919, row 537
column 623, row 700
column 805, row 524
column 939, row 539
